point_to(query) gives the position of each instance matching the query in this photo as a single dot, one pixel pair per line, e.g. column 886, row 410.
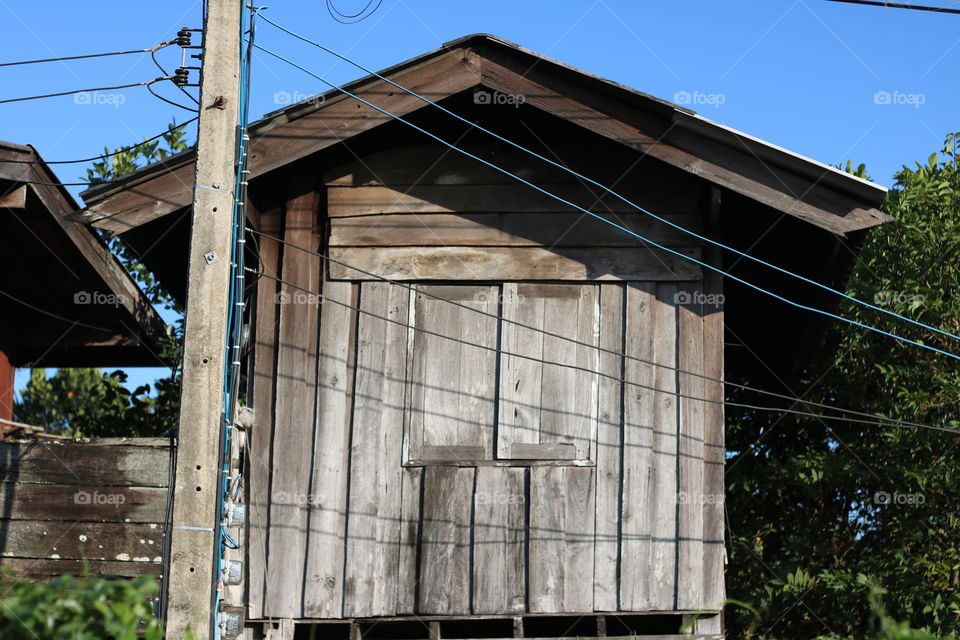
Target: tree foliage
column 831, row 523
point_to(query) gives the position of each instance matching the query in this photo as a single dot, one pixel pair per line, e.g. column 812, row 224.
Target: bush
column 81, row 608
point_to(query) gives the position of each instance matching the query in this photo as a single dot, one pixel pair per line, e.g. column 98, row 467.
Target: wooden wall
column 97, row 503
column 396, row 472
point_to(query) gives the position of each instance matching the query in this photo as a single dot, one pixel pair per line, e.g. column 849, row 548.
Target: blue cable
column 618, row 226
column 611, row 191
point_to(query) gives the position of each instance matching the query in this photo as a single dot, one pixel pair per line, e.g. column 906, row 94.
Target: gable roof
column 66, row 299
column 797, row 186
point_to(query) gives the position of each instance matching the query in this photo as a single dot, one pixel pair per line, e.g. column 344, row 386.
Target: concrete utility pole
column 194, row 534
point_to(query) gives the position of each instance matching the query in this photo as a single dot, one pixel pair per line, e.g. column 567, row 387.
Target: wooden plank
column 89, row 503
column 408, row 585
column 445, row 546
column 66, row 462
column 647, row 332
column 15, row 198
column 506, row 229
column 520, row 377
column 609, row 422
column 323, row 589
column 294, row 411
column 714, row 553
column 543, row 451
column 451, row 383
column 569, row 395
column 92, row 540
column 692, row 501
column 503, row 263
column 263, row 383
column 373, row 527
column 449, row 453
column 41, row 568
column 561, row 547
column 499, row 553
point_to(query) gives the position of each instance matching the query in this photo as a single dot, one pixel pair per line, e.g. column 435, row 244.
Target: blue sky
column 827, row 80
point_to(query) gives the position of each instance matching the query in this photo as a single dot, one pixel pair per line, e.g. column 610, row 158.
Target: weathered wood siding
column 394, row 471
column 99, row 504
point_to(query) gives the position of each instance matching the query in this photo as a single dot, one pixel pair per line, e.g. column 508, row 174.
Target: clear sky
column 827, row 80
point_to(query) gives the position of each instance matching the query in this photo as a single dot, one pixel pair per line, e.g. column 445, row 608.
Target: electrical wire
column 106, row 155
column 613, row 352
column 91, row 55
column 176, row 104
column 146, row 83
column 899, row 5
column 354, row 18
column 621, row 380
column 563, row 167
column 663, row 248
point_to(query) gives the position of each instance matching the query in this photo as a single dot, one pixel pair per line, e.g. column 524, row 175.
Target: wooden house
column 520, row 431
column 66, row 301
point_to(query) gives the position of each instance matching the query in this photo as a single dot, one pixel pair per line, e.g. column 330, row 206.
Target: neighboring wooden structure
column 97, row 505
column 506, row 475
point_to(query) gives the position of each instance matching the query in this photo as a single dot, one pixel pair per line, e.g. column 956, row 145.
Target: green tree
column 831, row 524
column 90, row 402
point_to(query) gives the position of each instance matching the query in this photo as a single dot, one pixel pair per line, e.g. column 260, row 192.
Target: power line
column 899, row 5
column 92, row 55
column 106, row 155
column 176, row 104
column 594, row 182
column 810, row 403
column 598, row 373
column 146, row 83
column 663, row 248
column 352, row 18
column 153, row 56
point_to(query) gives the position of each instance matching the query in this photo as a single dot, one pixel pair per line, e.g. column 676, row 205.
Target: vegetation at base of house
column 78, row 608
column 832, row 523
column 88, row 402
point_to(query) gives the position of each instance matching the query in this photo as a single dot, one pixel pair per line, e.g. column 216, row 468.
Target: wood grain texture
column 373, row 527
column 408, row 585
column 691, row 498
column 445, row 547
column 638, row 436
column 323, row 587
column 82, row 503
column 260, row 439
column 499, row 552
column 69, row 463
column 606, row 583
column 295, row 406
column 45, row 568
column 512, row 263
column 561, row 547
column 124, row 542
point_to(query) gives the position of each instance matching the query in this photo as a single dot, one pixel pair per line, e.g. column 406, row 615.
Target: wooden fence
column 95, row 503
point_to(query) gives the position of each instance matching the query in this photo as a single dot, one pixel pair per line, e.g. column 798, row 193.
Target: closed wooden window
column 469, row 403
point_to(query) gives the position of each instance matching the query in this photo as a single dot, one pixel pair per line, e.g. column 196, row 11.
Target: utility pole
column 194, row 543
